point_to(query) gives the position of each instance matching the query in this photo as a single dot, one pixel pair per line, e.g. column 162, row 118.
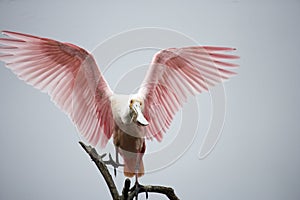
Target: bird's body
column 132, row 150
column 70, row 75
column 128, row 137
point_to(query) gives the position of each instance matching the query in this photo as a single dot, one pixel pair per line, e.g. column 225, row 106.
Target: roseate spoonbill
column 69, row 74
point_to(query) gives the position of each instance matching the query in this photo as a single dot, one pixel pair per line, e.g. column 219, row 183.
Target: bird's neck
column 126, row 115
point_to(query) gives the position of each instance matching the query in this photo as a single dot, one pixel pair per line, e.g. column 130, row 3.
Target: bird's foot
column 138, row 188
column 102, row 156
column 115, row 164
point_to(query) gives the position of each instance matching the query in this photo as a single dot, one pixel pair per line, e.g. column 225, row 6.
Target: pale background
column 257, row 156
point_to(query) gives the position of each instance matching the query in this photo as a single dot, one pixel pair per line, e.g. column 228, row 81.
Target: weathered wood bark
column 127, row 193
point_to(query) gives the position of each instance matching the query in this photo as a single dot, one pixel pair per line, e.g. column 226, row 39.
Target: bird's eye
column 131, row 101
column 140, row 103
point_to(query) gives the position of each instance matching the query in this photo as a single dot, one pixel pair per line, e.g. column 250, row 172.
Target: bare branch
column 169, row 192
column 127, row 193
column 103, row 169
column 126, row 189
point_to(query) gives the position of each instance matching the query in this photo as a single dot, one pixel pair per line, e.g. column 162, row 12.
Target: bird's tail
column 130, row 166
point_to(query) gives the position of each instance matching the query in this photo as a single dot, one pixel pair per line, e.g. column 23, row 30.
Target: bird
column 70, row 75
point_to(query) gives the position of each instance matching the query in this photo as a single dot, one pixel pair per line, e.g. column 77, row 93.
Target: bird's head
column 136, row 114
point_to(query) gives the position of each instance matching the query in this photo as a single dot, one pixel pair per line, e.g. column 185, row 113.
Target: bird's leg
column 137, row 186
column 113, row 163
column 137, row 172
column 117, row 155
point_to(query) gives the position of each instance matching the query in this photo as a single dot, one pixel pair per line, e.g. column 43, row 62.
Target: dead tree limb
column 103, row 169
column 127, row 193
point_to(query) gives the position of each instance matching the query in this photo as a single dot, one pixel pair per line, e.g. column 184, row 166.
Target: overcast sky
column 257, row 156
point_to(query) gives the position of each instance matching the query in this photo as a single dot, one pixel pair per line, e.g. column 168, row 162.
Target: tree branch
column 127, row 193
column 169, row 192
column 103, row 169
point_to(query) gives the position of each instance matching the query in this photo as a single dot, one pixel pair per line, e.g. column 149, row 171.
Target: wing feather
column 69, row 74
column 177, row 73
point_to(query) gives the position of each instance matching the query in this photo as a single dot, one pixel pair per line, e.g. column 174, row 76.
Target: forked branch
column 127, row 193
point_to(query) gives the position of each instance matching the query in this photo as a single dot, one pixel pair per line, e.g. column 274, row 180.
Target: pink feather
column 69, row 74
column 177, row 73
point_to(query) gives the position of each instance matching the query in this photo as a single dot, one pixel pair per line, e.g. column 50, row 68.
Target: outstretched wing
column 69, row 74
column 177, row 73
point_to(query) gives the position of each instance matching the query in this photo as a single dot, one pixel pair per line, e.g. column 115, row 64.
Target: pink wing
column 177, row 73
column 69, row 74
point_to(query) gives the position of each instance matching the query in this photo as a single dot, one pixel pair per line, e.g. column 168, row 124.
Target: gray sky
column 257, row 156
